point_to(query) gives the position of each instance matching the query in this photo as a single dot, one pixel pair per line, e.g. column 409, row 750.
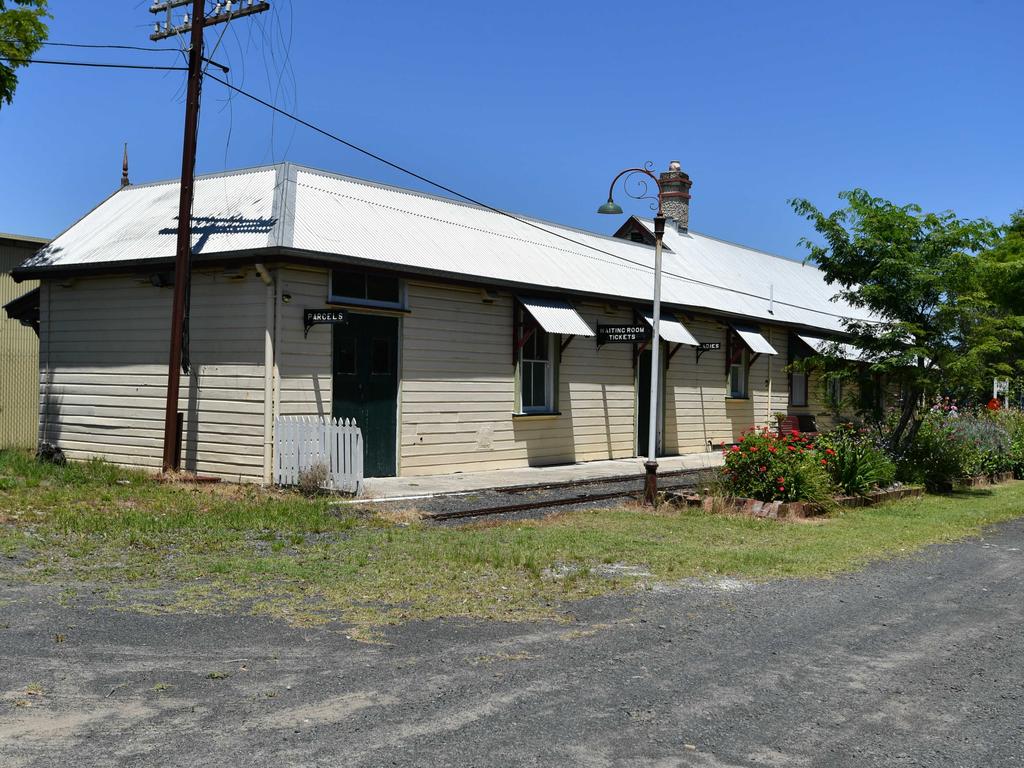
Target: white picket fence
column 302, row 442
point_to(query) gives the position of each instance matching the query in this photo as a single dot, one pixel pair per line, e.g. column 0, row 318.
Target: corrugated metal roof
column 752, row 337
column 556, row 316
column 295, row 207
column 671, row 330
column 824, row 346
column 231, row 212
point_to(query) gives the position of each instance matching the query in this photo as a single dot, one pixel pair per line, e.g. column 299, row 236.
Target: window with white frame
column 369, row 289
column 797, row 374
column 537, row 372
column 738, row 362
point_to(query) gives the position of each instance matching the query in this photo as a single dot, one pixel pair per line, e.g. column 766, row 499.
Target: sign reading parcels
column 622, row 334
column 311, row 317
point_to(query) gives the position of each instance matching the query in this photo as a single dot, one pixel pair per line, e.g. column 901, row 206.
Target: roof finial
column 124, row 167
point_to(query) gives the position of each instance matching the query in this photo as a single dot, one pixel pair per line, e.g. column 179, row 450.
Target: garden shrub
column 987, row 444
column 768, row 467
column 936, row 456
column 952, row 444
column 1016, row 429
column 855, row 463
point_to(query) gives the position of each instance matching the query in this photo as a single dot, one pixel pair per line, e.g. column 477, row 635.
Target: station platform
column 415, row 487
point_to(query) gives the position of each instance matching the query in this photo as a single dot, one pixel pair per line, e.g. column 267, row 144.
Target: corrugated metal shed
column 19, row 352
column 327, row 214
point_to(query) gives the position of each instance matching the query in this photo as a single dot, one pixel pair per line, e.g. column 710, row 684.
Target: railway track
column 554, row 495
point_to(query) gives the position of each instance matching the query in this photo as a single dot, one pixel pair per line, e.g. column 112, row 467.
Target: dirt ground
column 915, row 662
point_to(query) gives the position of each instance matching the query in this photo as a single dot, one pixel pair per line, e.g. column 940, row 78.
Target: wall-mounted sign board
column 311, row 317
column 707, row 346
column 622, row 334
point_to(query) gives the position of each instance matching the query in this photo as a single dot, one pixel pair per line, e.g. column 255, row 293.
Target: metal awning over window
column 671, row 330
column 844, row 351
column 755, row 342
column 556, row 316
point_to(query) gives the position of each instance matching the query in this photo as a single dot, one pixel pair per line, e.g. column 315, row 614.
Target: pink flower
column 753, row 449
column 735, row 449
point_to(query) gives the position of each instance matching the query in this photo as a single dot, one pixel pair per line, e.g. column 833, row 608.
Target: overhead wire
column 111, row 46
column 96, row 64
column 527, row 222
column 429, row 181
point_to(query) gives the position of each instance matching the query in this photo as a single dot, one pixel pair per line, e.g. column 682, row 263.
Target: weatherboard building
column 469, row 340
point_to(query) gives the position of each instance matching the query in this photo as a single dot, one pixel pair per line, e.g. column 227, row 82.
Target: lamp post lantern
column 611, row 207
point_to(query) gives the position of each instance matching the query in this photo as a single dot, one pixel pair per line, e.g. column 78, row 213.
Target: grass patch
column 219, row 548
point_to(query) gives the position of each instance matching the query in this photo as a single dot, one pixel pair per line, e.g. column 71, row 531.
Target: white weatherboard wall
column 103, row 368
column 303, row 380
column 458, row 390
column 697, row 409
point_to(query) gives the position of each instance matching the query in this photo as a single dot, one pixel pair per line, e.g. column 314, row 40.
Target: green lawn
column 153, row 546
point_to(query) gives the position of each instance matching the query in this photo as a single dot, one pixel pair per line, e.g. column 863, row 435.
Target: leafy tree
column 932, row 327
column 1002, row 275
column 23, row 30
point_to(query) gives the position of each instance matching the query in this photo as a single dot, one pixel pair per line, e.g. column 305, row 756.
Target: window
column 798, row 388
column 373, row 290
column 797, row 375
column 835, row 392
column 738, row 362
column 380, row 357
column 345, row 356
column 537, row 372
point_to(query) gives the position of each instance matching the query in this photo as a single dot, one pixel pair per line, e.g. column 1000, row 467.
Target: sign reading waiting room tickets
column 622, row 334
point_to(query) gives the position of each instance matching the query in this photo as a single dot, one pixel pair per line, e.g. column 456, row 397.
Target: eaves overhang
column 295, row 256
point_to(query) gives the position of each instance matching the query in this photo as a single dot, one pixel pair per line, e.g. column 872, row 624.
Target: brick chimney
column 675, row 196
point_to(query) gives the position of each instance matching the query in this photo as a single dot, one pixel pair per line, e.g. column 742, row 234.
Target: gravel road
column 914, row 662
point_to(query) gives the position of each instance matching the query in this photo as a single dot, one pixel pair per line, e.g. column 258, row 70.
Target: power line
column 111, row 46
column 429, row 181
column 512, row 216
column 96, row 64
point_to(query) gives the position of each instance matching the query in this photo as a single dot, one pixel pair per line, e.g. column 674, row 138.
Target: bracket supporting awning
column 550, row 315
column 754, row 341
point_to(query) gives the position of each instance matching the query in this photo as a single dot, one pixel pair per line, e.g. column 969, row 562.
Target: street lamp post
column 611, row 207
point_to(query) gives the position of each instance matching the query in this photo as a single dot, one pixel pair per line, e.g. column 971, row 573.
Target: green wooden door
column 365, row 386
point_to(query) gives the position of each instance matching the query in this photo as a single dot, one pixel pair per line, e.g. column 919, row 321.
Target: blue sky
column 534, row 106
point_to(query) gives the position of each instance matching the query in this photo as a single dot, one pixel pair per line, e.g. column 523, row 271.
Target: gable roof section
column 328, row 215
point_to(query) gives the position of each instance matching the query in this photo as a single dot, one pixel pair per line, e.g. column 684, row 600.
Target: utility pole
column 223, row 12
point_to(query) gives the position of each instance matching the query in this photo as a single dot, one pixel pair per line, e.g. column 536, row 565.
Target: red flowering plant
column 855, row 463
column 769, row 467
